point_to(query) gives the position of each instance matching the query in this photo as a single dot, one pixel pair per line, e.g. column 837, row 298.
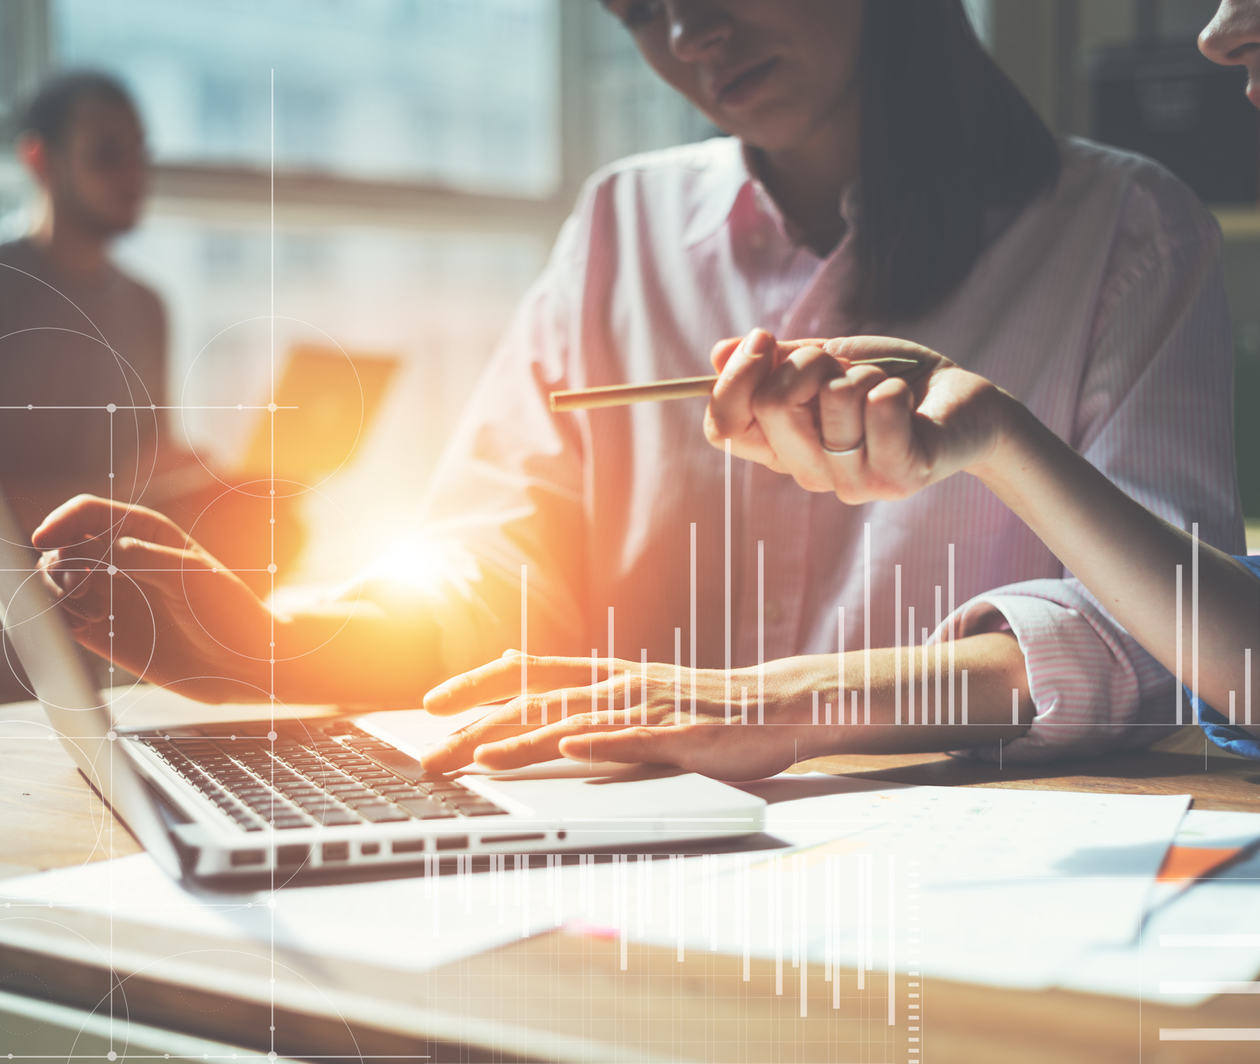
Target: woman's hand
column 583, row 709
column 136, row 588
column 810, row 409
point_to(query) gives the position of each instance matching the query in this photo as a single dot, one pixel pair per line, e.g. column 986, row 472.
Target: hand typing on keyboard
column 632, row 714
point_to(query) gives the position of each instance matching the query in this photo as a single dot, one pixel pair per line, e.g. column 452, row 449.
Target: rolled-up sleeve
column 1154, row 413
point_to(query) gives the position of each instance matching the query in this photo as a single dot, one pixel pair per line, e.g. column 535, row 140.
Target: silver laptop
column 240, row 798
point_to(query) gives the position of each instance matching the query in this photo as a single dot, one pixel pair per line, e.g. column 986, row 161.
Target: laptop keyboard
column 315, row 773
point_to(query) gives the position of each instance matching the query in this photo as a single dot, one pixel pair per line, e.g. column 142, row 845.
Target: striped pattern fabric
column 1216, row 726
column 1101, row 306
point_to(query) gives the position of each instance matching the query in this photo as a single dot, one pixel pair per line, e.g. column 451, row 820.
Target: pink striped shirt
column 1101, row 307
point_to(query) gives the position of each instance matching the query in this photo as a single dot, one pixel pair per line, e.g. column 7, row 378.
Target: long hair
column 946, row 139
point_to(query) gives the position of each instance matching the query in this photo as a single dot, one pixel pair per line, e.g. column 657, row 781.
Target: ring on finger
column 843, row 452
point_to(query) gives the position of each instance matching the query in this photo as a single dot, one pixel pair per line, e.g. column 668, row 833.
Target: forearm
column 1128, row 558
column 911, row 690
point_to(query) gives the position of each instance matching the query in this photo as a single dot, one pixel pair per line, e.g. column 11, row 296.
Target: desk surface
column 51, row 819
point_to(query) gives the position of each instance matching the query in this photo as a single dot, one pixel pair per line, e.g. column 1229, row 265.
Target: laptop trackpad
column 651, row 798
column 415, row 731
column 640, row 795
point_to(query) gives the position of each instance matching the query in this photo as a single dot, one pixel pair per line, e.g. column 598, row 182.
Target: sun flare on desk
column 417, row 563
column 404, row 569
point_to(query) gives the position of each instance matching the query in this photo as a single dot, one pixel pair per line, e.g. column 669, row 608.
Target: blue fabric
column 1218, row 728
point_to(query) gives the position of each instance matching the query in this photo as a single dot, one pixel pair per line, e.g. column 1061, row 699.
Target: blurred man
column 77, row 333
column 83, row 345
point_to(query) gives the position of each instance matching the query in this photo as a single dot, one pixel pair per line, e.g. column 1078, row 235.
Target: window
column 346, row 78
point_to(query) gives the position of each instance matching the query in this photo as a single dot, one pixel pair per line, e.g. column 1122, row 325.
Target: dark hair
column 48, row 113
column 947, row 140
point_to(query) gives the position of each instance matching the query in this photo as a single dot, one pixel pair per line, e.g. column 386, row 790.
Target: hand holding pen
column 864, row 417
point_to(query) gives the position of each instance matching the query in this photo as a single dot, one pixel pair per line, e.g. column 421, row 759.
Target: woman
column 1195, row 608
column 954, row 421
column 959, row 222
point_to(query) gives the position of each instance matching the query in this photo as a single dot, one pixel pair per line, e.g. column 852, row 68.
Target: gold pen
column 681, row 388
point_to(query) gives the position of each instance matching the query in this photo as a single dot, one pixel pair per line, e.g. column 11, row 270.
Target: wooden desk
column 565, row 997
column 1231, row 783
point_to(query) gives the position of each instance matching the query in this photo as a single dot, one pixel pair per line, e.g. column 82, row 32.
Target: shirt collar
column 725, row 176
column 729, row 177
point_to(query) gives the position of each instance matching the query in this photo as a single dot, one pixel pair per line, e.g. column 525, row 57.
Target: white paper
column 1197, row 942
column 996, row 886
column 410, row 924
column 993, row 886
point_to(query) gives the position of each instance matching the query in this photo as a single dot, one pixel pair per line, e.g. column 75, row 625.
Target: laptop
column 236, row 798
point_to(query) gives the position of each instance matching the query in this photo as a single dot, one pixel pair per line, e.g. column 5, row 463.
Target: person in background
column 881, row 175
column 78, row 335
column 76, row 331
